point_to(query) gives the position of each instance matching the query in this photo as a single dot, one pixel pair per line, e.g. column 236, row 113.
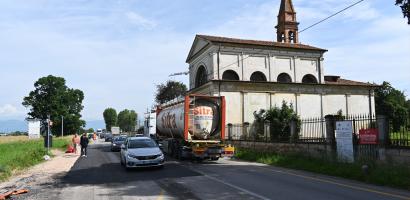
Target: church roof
column 264, row 43
column 336, row 80
column 258, row 42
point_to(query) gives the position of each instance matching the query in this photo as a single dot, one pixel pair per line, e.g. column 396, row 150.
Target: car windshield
column 122, row 138
column 144, row 143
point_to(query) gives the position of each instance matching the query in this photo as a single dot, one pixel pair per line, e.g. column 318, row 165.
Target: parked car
column 108, row 137
column 117, row 141
column 141, row 152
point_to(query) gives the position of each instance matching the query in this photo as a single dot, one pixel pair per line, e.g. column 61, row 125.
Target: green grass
column 380, row 174
column 19, row 155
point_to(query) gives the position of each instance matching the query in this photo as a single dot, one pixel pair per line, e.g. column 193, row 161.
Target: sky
column 116, row 51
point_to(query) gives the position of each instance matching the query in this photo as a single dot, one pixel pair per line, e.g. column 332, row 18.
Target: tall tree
column 127, row 120
column 405, row 8
column 408, row 109
column 52, row 97
column 110, row 118
column 391, row 103
column 169, row 91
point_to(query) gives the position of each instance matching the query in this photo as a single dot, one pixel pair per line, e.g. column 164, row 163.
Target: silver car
column 141, row 152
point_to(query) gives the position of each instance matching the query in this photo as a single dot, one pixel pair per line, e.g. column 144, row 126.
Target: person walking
column 76, row 142
column 84, row 143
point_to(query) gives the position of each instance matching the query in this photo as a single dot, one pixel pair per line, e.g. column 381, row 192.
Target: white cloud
column 8, row 109
column 139, row 20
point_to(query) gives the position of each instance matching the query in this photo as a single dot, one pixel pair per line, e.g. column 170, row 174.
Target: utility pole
column 48, row 134
column 62, row 126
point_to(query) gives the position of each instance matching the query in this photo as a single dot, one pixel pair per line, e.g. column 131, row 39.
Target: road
column 100, row 176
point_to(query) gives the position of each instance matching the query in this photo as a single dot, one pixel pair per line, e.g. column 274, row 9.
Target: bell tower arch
column 287, row 28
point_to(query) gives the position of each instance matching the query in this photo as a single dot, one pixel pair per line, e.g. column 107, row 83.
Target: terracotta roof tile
column 348, row 82
column 258, row 42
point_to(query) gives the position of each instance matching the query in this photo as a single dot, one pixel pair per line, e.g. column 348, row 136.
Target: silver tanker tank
column 197, row 119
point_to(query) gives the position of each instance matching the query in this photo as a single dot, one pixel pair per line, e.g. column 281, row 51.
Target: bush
column 279, row 119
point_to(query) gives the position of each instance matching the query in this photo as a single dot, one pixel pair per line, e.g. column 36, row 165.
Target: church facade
column 254, row 75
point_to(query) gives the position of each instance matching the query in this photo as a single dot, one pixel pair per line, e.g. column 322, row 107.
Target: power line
column 348, row 7
column 244, row 58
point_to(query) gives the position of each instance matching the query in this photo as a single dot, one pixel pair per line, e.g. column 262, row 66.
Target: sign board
column 368, row 136
column 115, row 130
column 33, row 129
column 344, row 141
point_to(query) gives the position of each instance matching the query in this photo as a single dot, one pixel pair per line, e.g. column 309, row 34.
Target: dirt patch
column 42, row 174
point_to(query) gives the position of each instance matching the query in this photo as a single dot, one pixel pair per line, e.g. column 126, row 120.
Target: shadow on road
column 103, row 167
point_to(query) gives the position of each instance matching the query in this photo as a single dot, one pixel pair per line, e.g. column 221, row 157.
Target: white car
column 141, row 152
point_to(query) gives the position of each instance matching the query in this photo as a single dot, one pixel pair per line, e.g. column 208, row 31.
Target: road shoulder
column 45, row 173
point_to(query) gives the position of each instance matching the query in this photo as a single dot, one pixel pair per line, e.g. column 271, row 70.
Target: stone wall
column 315, row 150
column 400, row 156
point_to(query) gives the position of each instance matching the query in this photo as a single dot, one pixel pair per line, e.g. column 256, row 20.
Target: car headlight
column 161, row 156
column 113, row 144
column 130, row 156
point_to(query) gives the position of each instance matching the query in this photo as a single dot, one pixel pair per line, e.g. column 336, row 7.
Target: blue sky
column 117, row 51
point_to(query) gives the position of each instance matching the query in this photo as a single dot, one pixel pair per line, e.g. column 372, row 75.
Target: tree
column 127, row 120
column 391, row 103
column 110, row 118
column 405, row 8
column 408, row 109
column 52, row 97
column 170, row 90
column 279, row 119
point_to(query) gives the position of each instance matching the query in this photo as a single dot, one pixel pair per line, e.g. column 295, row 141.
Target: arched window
column 258, row 77
column 284, row 78
column 230, row 75
column 282, row 37
column 309, row 78
column 201, row 76
column 291, row 36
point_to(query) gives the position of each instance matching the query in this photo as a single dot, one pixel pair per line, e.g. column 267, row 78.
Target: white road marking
column 228, row 184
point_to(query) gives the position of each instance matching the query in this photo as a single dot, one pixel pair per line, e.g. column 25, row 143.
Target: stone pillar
column 330, row 130
column 245, row 131
column 293, row 131
column 383, row 127
column 266, row 130
column 229, row 131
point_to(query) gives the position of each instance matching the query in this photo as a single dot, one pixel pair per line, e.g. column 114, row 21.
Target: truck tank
column 194, row 118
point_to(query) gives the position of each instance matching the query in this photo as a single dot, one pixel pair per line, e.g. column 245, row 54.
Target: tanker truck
column 193, row 127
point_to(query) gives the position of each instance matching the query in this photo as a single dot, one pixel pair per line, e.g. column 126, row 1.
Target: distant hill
column 7, row 126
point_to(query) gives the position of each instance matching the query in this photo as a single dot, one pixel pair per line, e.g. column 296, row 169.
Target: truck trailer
column 193, row 127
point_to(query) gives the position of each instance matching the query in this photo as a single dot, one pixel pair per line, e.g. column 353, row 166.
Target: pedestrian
column 84, row 143
column 76, row 142
column 94, row 136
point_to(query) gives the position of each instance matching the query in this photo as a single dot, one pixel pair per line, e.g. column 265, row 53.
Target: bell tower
column 287, row 28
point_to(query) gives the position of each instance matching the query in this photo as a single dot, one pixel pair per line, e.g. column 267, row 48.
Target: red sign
column 368, row 136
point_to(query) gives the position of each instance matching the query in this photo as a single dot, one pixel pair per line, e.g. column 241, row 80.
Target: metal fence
column 322, row 130
column 400, row 138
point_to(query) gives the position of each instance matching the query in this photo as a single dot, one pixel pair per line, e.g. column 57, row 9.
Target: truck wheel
column 214, row 158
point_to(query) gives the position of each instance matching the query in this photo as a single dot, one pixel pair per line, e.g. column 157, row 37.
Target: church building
column 255, row 74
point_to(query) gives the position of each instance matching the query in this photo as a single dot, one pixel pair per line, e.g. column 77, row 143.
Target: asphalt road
column 100, row 176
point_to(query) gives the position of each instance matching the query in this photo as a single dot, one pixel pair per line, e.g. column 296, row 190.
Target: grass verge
column 381, row 174
column 21, row 154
